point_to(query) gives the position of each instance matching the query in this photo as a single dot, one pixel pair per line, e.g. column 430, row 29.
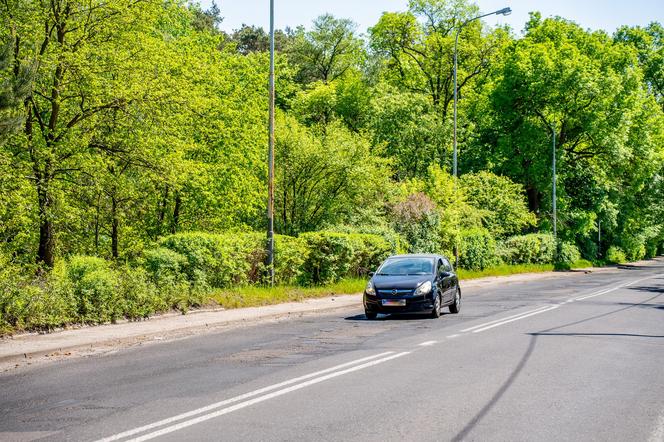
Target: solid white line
column 612, row 289
column 553, row 307
column 427, row 343
column 272, row 395
column 502, row 319
column 237, row 398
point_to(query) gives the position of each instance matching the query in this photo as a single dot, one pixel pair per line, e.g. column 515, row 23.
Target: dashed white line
column 453, row 336
column 553, row 307
column 502, row 319
column 427, row 343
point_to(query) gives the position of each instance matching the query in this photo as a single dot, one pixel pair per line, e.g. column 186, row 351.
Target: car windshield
column 407, row 266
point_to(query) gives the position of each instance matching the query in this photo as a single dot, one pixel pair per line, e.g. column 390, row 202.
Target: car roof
column 416, row 255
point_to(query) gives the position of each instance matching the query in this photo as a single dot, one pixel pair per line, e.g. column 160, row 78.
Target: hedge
column 535, row 248
column 477, row 250
column 334, row 255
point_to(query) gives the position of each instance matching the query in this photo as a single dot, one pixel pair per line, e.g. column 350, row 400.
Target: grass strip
column 253, row 296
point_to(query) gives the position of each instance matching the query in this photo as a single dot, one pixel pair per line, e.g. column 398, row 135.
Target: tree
column 88, row 56
column 328, row 51
column 500, row 201
column 649, row 44
column 410, row 130
column 250, row 39
column 15, row 84
column 324, row 177
column 418, row 48
column 588, row 90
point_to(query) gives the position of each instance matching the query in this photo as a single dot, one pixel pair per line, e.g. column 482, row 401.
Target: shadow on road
column 393, row 317
column 649, row 289
column 531, row 348
column 501, row 391
column 596, row 334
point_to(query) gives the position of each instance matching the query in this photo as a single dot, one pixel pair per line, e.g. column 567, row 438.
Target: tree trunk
column 161, row 213
column 46, row 254
column 176, row 213
column 114, row 227
column 533, row 198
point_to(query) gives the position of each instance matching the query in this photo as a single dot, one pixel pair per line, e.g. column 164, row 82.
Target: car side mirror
column 371, row 274
column 445, row 274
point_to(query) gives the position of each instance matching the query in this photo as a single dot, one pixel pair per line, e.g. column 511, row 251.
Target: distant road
column 570, row 358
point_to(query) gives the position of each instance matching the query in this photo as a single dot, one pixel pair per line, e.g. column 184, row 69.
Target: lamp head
column 504, row 11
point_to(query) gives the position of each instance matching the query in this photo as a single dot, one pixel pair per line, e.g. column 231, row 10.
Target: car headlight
column 369, row 290
column 423, row 288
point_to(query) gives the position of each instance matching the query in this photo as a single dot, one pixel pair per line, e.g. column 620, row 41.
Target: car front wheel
column 455, row 307
column 370, row 315
column 435, row 313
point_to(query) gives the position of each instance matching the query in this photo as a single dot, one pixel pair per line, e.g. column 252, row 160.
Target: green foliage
column 169, row 137
column 477, row 250
column 535, row 248
column 94, row 286
column 289, row 254
column 417, row 219
column 323, row 178
column 333, row 256
column 500, row 201
column 615, row 255
column 568, row 256
column 328, row 51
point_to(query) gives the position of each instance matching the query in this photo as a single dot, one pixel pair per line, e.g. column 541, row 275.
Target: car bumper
column 414, row 304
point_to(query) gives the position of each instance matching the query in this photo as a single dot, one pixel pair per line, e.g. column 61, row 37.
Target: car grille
column 395, row 292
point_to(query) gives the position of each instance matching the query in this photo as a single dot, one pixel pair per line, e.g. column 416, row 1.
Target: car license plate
column 394, row 302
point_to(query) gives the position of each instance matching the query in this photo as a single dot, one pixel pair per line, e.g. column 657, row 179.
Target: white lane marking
column 272, row 395
column 427, row 343
column 553, row 307
column 453, row 336
column 237, row 398
column 502, row 319
column 612, row 289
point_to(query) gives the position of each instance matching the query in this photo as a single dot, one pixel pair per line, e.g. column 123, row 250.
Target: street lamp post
column 270, row 184
column 504, row 11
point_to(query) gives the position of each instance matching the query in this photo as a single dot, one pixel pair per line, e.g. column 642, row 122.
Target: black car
column 412, row 284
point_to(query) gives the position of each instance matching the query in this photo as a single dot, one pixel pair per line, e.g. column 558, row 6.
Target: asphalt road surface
column 575, row 357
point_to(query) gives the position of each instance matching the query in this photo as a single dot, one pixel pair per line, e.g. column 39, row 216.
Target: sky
column 593, row 14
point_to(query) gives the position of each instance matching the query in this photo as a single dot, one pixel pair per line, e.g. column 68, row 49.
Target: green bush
column 477, row 250
column 165, row 266
column 96, row 288
column 330, row 257
column 535, row 248
column 290, row 255
column 334, row 255
column 569, row 254
column 219, row 260
column 615, row 255
column 141, row 297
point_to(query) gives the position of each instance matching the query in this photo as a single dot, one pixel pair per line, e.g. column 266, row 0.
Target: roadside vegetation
column 133, row 142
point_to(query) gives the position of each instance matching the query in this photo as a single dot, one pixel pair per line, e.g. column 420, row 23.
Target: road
column 573, row 357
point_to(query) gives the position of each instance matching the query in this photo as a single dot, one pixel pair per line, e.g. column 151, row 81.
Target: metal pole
column 555, row 215
column 454, row 150
column 454, row 145
column 504, row 11
column 599, row 238
column 270, row 185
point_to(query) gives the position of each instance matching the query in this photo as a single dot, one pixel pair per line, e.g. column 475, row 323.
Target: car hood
column 383, row 282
